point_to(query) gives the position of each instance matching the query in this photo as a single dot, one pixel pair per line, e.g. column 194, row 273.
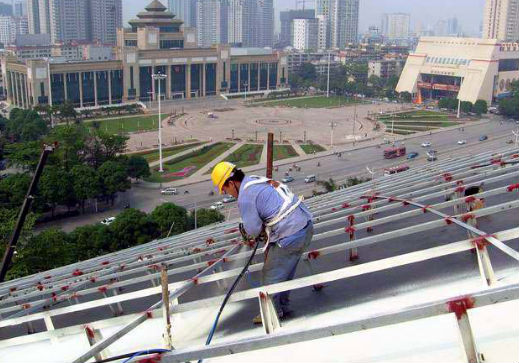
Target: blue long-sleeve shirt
column 260, row 203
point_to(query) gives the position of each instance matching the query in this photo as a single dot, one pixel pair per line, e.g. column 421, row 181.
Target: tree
column 71, row 141
column 132, row 227
column 466, row 106
column 169, row 215
column 85, row 183
column 137, row 167
column 25, row 125
column 480, row 107
column 90, row 241
column 205, row 217
column 13, row 190
column 509, row 107
column 55, row 187
column 67, row 111
column 8, row 218
column 44, row 251
column 24, row 155
column 329, row 185
column 308, row 72
column 102, row 147
column 114, row 178
column 406, row 96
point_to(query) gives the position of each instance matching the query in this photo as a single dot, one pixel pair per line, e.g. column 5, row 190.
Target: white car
column 108, row 221
column 426, row 144
column 169, row 191
column 229, row 199
column 216, row 206
column 462, row 142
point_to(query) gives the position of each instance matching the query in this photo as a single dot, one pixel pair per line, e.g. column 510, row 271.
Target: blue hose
column 228, row 295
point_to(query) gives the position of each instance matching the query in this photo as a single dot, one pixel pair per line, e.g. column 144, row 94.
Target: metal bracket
column 269, row 315
column 94, row 336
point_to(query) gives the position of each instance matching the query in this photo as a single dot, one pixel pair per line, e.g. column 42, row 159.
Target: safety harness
column 285, row 193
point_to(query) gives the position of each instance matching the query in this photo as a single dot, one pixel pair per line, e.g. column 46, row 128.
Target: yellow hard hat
column 221, row 172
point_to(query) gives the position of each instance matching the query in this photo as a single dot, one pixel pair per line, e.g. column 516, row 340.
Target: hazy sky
column 469, row 12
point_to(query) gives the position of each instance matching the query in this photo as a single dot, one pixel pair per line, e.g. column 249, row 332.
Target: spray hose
column 230, row 292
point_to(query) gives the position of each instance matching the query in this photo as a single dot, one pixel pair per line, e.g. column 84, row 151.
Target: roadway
column 351, row 163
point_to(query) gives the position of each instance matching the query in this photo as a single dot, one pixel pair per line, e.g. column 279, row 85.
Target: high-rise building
column 323, row 35
column 184, row 10
column 11, row 27
column 211, row 20
column 286, row 17
column 322, row 12
column 344, row 22
column 305, row 34
column 6, row 9
column 68, row 20
column 106, row 18
column 396, row 26
column 20, row 9
column 501, row 20
column 250, row 23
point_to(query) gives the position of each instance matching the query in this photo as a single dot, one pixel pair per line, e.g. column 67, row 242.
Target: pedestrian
column 267, row 206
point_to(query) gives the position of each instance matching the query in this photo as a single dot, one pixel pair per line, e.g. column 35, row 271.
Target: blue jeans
column 281, row 264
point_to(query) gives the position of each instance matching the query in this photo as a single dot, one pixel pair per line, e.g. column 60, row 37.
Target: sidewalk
column 299, row 150
column 182, row 153
column 200, row 172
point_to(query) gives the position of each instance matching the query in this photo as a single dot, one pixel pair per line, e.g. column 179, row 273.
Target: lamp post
column 516, row 134
column 160, row 77
column 328, row 81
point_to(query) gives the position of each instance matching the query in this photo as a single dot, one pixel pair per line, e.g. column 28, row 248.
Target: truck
column 394, row 152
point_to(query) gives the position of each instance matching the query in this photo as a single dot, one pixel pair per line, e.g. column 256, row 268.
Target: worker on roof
column 268, row 206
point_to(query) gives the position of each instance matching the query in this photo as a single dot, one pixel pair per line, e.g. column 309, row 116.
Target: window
column 130, row 43
column 171, row 44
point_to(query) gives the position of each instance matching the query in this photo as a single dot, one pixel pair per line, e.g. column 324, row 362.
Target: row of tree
column 509, row 106
column 480, row 107
column 348, row 79
column 54, row 248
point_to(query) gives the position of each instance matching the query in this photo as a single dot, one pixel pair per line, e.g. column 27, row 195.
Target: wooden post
column 165, row 308
column 270, row 154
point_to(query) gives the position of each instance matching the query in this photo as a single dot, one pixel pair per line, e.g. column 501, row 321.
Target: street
column 351, row 163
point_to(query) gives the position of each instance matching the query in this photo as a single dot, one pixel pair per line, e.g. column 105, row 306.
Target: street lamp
column 160, row 77
column 516, row 134
column 332, row 126
column 328, row 82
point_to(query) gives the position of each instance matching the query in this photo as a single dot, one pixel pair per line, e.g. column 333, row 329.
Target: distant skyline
column 468, row 12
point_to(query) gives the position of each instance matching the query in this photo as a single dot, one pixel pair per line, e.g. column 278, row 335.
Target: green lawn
column 409, row 127
column 127, row 124
column 284, row 152
column 312, row 102
column 151, row 156
column 423, row 115
column 184, row 166
column 247, row 155
column 311, row 148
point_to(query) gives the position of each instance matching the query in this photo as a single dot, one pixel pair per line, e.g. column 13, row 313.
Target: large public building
column 470, row 69
column 154, row 43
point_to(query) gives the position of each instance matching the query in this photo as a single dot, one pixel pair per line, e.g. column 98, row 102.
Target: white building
column 501, row 20
column 386, row 68
column 467, row 68
column 396, row 25
column 11, row 27
column 322, row 32
column 210, row 25
column 343, row 22
column 305, row 34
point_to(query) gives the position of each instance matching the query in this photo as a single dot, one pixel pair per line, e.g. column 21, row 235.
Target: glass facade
column 88, row 89
column 244, row 77
column 273, row 77
column 210, row 79
column 145, row 83
column 196, row 70
column 178, row 81
column 171, row 44
column 234, row 78
column 254, row 77
column 57, row 88
column 263, row 76
column 73, row 94
column 116, row 79
column 103, row 97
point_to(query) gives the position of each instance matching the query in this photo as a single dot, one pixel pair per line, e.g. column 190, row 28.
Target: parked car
column 426, row 144
column 229, row 199
column 169, row 191
column 310, row 179
column 462, row 142
column 108, row 221
column 483, row 138
column 432, row 155
column 287, row 179
column 412, row 155
column 216, row 206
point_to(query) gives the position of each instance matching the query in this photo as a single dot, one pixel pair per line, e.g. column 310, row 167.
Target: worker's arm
column 249, row 214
